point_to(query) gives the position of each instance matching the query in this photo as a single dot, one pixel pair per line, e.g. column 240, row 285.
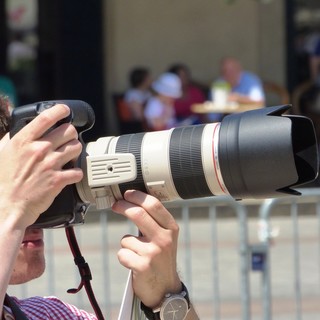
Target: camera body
column 256, row 154
column 67, row 208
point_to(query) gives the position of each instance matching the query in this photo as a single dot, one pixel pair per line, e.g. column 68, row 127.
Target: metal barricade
column 215, row 257
column 312, row 198
column 198, row 259
column 241, row 248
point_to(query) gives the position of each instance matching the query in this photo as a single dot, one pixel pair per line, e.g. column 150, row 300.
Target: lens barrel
column 255, row 154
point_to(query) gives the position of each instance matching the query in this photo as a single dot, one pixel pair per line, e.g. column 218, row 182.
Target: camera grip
column 81, row 115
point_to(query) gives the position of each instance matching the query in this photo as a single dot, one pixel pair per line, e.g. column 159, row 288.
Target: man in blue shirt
column 242, row 87
column 245, row 87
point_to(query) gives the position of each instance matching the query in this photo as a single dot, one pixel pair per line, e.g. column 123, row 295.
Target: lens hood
column 265, row 152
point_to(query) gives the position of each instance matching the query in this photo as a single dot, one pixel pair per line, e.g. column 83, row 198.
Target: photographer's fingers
column 63, row 142
column 145, row 210
column 44, row 121
column 70, row 176
column 151, row 256
column 34, row 160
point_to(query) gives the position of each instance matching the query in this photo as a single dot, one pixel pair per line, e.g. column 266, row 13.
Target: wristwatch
column 173, row 307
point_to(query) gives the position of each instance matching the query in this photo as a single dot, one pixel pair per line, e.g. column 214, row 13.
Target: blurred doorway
column 54, row 50
column 20, row 43
column 303, row 30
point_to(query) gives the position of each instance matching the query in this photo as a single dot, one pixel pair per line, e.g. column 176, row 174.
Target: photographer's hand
column 151, row 256
column 31, row 176
column 32, row 162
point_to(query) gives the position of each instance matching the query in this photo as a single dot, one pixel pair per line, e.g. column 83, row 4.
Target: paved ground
column 205, row 276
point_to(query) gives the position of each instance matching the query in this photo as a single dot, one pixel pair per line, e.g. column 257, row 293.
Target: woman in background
column 139, row 92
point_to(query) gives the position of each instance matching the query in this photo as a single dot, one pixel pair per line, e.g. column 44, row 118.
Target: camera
column 256, row 154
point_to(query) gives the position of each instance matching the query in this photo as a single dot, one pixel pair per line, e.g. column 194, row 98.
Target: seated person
column 191, row 93
column 159, row 112
column 139, row 92
column 245, row 87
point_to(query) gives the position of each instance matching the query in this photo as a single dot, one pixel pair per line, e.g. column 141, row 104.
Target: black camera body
column 67, row 208
column 256, row 154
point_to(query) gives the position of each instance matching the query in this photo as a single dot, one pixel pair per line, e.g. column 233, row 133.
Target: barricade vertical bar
column 50, row 263
column 296, row 262
column 105, row 260
column 215, row 265
column 244, row 250
column 264, row 215
column 266, row 286
column 187, row 239
column 318, row 216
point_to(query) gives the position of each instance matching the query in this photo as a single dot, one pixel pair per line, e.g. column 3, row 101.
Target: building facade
column 85, row 51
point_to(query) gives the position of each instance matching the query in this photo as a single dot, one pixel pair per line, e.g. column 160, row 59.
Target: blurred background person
column 20, row 52
column 139, row 92
column 159, row 112
column 245, row 87
column 192, row 93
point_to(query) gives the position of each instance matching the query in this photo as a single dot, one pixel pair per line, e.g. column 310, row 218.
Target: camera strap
column 17, row 312
column 84, row 271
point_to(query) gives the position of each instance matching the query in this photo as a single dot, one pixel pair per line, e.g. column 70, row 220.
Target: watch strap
column 152, row 314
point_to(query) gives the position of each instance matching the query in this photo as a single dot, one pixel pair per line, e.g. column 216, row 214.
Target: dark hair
column 175, row 68
column 4, row 115
column 137, row 76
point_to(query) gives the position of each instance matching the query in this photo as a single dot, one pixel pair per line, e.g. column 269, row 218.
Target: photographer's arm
column 152, row 256
column 31, row 176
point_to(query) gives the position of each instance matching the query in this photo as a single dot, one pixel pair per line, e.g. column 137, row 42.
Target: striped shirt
column 46, row 308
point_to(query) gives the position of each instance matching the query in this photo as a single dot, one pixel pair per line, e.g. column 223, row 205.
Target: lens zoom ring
column 131, row 143
column 186, row 164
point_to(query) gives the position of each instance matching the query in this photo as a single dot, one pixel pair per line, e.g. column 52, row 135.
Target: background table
column 210, row 107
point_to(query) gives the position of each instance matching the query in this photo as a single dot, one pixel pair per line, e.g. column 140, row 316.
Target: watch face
column 174, row 308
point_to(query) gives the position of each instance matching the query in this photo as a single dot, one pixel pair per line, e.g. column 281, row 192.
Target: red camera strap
column 84, row 271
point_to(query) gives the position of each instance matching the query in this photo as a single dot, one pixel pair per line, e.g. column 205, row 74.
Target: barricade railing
column 201, row 254
column 309, row 196
column 243, row 246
